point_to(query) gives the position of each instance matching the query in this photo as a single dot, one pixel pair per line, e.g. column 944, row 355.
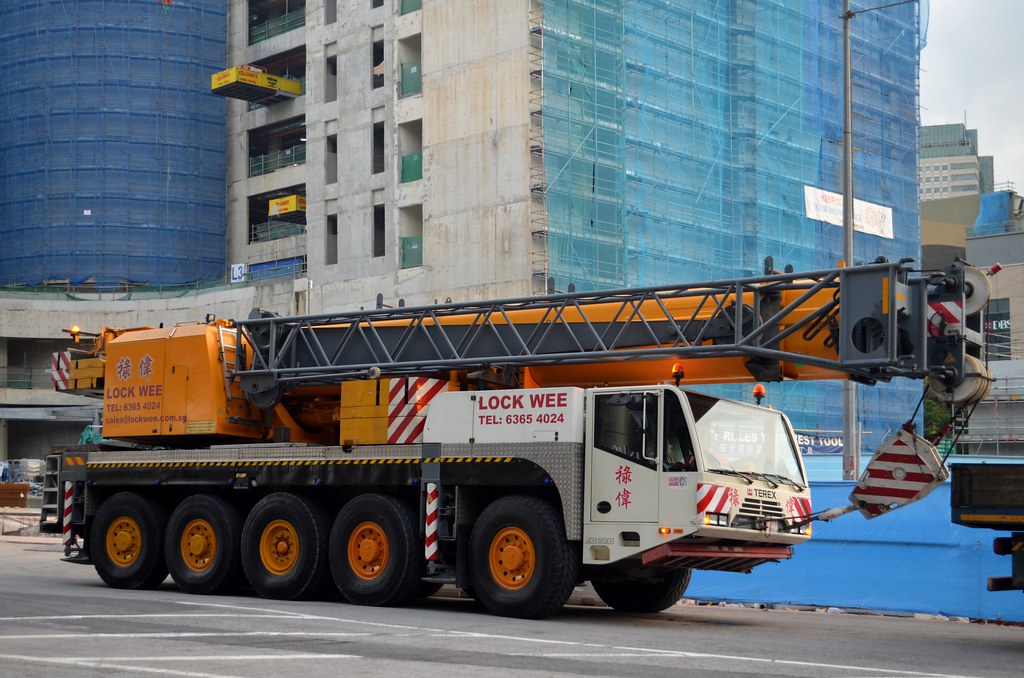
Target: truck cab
column 668, row 466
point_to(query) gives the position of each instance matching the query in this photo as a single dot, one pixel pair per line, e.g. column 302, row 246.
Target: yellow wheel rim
column 512, row 558
column 279, row 547
column 124, row 541
column 368, row 550
column 198, row 545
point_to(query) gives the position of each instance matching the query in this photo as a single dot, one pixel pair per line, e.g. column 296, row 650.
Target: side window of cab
column 626, row 425
column 679, row 454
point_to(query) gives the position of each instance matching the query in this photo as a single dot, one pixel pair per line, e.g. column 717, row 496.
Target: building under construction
column 409, row 151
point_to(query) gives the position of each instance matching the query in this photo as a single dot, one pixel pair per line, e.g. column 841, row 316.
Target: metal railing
column 25, row 377
column 274, row 230
column 412, row 251
column 277, row 26
column 412, row 79
column 412, row 167
column 265, row 164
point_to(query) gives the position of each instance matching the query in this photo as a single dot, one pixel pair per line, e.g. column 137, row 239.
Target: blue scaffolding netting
column 112, row 159
column 678, row 139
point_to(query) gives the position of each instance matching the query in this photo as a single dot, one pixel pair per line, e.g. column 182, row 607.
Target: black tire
column 652, row 594
column 284, row 547
column 427, row 589
column 203, row 545
column 521, row 564
column 375, row 553
column 127, row 542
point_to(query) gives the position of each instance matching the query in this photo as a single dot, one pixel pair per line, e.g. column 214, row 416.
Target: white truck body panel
column 506, row 416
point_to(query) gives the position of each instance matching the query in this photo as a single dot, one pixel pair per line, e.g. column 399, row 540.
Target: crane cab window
column 626, row 425
column 679, row 455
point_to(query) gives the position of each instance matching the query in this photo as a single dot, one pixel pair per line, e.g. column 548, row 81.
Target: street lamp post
column 851, row 428
column 851, row 440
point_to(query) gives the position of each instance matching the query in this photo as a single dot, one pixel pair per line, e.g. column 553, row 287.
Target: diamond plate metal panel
column 562, row 461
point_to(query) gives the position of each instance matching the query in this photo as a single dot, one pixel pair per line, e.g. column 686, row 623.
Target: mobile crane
column 513, row 448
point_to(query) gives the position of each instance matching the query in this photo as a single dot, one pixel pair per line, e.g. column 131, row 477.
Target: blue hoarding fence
column 911, row 560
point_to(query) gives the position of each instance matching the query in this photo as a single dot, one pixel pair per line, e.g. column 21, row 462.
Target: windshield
column 736, row 437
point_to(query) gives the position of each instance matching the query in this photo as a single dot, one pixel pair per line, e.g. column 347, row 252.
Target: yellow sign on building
column 289, row 208
column 247, row 84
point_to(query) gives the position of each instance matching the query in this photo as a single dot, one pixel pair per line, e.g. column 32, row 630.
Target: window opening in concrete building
column 409, row 53
column 331, row 240
column 330, row 11
column 376, row 3
column 290, row 64
column 377, row 59
column 410, row 6
column 378, row 147
column 378, row 230
column 412, row 235
column 277, row 146
column 277, row 214
column 294, row 267
column 410, row 141
column 331, row 160
column 268, row 18
column 331, row 79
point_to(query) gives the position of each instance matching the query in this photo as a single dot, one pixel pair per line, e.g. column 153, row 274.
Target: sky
column 972, row 66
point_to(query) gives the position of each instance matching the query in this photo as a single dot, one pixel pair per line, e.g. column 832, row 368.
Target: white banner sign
column 867, row 217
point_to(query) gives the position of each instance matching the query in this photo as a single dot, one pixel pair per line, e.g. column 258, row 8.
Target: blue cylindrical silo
column 111, row 145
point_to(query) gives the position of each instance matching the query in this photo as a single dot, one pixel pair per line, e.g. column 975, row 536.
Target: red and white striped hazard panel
column 407, row 401
column 799, row 508
column 430, row 532
column 944, row 314
column 716, row 499
column 60, row 370
column 906, row 468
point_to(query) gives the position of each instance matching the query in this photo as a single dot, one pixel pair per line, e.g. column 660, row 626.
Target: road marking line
column 118, row 667
column 317, row 617
column 791, row 662
column 474, row 634
column 184, row 634
column 213, row 657
column 138, row 616
column 225, row 606
column 107, row 662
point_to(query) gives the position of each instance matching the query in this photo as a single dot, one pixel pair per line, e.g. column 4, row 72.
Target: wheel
column 643, row 595
column 520, row 562
column 203, row 545
column 284, row 547
column 127, row 542
column 376, row 555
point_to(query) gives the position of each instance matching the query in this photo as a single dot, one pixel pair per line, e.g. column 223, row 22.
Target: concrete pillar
column 3, row 440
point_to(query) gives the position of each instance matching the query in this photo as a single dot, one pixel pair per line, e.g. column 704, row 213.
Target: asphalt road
column 58, row 620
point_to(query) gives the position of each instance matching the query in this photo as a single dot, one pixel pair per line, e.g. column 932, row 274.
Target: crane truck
column 512, row 448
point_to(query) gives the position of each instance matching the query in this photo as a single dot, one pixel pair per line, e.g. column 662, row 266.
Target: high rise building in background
column 427, row 149
column 950, row 166
column 112, row 159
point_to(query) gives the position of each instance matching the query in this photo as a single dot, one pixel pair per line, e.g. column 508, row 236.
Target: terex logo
column 763, row 494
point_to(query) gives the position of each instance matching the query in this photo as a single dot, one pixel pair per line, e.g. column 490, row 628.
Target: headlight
column 716, row 519
column 805, row 528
